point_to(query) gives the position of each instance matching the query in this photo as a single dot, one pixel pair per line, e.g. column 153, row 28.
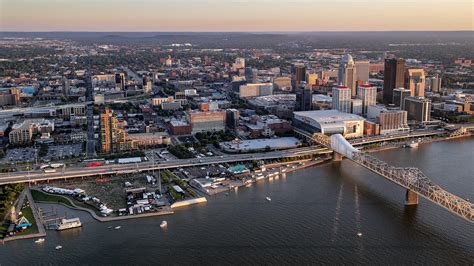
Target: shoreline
column 307, row 163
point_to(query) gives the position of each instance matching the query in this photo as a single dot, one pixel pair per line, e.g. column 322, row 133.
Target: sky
column 235, row 15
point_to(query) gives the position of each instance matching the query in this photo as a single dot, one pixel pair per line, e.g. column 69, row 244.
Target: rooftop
column 328, row 116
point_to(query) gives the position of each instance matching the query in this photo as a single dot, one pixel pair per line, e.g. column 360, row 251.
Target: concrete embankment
column 188, row 202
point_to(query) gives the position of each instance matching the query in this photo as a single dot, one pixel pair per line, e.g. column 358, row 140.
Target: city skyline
column 236, row 15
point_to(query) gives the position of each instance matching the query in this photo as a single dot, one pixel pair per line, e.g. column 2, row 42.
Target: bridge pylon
column 336, row 157
column 411, row 198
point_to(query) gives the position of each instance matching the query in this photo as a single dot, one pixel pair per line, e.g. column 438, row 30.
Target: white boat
column 39, row 241
column 359, row 234
column 268, row 198
column 117, row 227
column 164, row 224
column 413, row 145
column 59, row 247
column 69, row 224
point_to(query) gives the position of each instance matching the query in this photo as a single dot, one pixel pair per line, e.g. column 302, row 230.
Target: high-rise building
column 393, row 121
column 394, row 73
column 298, row 72
column 435, row 83
column 347, row 74
column 368, row 94
column 399, row 95
column 418, row 108
column 341, row 98
column 311, row 79
column 304, row 98
column 362, row 71
column 113, row 136
column 415, row 81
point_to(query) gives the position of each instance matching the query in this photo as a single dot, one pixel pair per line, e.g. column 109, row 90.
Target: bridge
column 410, row 178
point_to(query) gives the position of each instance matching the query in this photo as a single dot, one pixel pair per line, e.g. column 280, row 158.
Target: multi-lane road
column 112, row 169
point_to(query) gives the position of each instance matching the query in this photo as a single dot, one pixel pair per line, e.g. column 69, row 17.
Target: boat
column 164, row 224
column 413, row 145
column 117, row 227
column 268, row 198
column 59, row 247
column 39, row 240
column 359, row 234
column 69, row 224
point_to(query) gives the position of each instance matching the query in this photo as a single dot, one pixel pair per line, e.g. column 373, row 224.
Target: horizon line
column 295, row 31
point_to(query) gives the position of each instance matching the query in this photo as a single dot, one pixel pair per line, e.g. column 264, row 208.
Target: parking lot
column 60, row 152
column 20, row 155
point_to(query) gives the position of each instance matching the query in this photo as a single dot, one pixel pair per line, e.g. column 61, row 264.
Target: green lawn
column 40, row 196
column 33, row 229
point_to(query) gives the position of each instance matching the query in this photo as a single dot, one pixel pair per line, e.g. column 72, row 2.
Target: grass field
column 33, row 229
column 40, row 196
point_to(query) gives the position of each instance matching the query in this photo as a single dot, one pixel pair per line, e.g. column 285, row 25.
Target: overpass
column 116, row 169
column 410, row 178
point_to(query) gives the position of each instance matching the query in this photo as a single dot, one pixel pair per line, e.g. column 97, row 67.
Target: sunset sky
column 235, row 15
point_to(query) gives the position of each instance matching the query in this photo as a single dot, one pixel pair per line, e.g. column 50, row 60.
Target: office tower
column 113, row 136
column 362, row 71
column 435, row 83
column 418, row 108
column 304, row 98
column 341, row 98
column 399, row 95
column 368, row 94
column 298, row 72
column 311, row 79
column 347, row 75
column 394, row 77
column 393, row 121
column 415, row 81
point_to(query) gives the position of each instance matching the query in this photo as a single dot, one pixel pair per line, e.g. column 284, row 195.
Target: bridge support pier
column 411, row 198
column 336, row 157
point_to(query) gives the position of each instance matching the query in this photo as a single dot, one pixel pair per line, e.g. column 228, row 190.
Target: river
column 314, row 217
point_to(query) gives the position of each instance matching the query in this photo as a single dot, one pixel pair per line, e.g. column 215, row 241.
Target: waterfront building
column 418, row 108
column 415, row 81
column 394, row 70
column 368, row 94
column 347, row 74
column 329, row 122
column 113, row 136
column 341, row 98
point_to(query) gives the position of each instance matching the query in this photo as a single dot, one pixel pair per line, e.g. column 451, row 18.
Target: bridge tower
column 411, row 198
column 336, row 157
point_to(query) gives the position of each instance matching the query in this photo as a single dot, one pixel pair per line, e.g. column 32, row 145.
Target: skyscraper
column 298, row 72
column 362, row 71
column 304, row 98
column 368, row 94
column 394, row 73
column 347, row 75
column 415, row 81
column 341, row 98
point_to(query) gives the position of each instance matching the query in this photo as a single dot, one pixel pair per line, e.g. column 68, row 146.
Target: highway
column 112, row 169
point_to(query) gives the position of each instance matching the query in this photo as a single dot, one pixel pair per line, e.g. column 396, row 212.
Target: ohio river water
column 314, row 217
